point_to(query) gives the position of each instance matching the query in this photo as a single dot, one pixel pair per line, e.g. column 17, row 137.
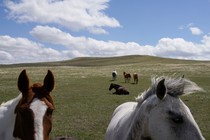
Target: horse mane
column 176, row 86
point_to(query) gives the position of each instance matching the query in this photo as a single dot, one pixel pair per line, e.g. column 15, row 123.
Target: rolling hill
column 106, row 61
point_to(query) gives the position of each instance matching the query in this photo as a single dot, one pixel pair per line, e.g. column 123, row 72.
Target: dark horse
column 120, row 90
column 127, row 77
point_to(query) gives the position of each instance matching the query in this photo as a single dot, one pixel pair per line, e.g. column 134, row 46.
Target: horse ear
column 23, row 82
column 161, row 89
column 49, row 81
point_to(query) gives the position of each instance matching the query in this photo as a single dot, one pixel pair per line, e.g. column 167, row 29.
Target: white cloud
column 88, row 46
column 5, row 57
column 72, row 14
column 82, row 46
column 196, row 31
column 22, row 50
column 180, row 48
column 193, row 29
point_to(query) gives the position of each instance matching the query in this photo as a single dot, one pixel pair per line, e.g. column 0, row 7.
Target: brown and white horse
column 29, row 115
column 127, row 77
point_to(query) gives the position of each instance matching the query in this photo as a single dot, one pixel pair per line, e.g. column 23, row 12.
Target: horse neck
column 7, row 118
column 139, row 125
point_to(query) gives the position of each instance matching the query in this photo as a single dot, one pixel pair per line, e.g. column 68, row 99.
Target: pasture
column 83, row 103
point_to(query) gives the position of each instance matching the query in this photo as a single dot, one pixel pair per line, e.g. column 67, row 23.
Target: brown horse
column 135, row 78
column 127, row 77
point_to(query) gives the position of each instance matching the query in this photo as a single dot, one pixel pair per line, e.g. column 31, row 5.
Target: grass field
column 83, row 103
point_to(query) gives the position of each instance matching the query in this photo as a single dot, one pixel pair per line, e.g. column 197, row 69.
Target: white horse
column 28, row 116
column 158, row 114
column 114, row 75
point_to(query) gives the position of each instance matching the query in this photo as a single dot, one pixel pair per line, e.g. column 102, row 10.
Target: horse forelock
column 31, row 114
column 181, row 86
column 176, row 86
column 42, row 94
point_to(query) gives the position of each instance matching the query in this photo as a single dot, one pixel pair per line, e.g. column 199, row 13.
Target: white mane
column 175, row 87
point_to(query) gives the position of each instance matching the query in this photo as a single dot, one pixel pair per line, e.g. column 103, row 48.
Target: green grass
column 83, row 103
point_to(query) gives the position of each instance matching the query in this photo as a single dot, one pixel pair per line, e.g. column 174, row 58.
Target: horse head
column 167, row 115
column 34, row 110
column 111, row 86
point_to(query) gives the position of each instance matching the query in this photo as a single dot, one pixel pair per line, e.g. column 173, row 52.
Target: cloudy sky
column 54, row 30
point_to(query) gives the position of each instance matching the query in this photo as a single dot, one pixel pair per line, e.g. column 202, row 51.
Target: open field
column 83, row 103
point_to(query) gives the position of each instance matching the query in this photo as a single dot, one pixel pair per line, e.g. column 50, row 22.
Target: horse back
column 122, row 91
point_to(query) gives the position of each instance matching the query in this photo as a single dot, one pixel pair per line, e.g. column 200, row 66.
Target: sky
column 56, row 30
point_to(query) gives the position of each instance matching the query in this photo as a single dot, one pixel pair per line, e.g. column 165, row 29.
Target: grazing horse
column 29, row 115
column 114, row 75
column 127, row 77
column 158, row 114
column 120, row 90
column 135, row 78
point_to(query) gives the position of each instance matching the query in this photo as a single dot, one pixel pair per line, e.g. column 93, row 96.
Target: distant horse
column 29, row 115
column 120, row 90
column 127, row 77
column 158, row 114
column 114, row 75
column 135, row 78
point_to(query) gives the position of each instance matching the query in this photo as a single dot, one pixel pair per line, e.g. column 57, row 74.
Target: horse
column 29, row 115
column 157, row 114
column 135, row 78
column 120, row 90
column 127, row 77
column 114, row 75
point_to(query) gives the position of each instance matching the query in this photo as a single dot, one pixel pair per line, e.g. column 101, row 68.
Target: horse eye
column 176, row 118
column 49, row 111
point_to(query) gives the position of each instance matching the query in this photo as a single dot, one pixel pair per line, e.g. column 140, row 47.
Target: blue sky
column 54, row 30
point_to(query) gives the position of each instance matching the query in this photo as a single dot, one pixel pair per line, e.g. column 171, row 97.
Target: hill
column 106, row 61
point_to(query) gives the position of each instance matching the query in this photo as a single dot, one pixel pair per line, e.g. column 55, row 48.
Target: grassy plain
column 83, row 103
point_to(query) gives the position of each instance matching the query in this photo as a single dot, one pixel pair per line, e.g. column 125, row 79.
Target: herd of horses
column 127, row 77
column 157, row 114
column 119, row 89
